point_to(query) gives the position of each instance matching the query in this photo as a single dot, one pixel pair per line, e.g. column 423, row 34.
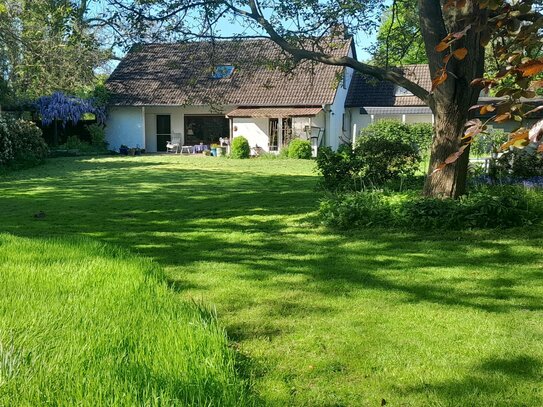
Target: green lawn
column 315, row 318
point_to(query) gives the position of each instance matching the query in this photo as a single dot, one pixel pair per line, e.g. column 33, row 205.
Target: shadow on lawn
column 181, row 217
column 260, row 222
column 496, row 376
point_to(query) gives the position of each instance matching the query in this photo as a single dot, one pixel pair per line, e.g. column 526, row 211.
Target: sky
column 362, row 40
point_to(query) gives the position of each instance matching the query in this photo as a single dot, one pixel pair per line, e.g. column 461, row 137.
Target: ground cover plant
column 316, row 317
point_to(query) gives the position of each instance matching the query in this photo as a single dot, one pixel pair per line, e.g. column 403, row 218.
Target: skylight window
column 402, row 92
column 222, row 71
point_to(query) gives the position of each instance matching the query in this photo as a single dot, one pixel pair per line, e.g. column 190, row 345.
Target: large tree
column 399, row 40
column 299, row 27
column 47, row 46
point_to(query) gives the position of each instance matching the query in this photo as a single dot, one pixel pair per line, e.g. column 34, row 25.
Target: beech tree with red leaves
column 455, row 33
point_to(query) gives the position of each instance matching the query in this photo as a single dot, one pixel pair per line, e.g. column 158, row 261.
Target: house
column 369, row 100
column 199, row 92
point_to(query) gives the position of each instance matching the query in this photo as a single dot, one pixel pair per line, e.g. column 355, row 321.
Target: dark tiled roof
column 366, row 91
column 180, row 74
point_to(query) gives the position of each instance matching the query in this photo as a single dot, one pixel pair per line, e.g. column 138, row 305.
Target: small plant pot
column 220, row 151
column 214, row 152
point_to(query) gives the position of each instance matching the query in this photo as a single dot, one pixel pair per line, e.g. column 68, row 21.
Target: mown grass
column 317, row 318
column 84, row 324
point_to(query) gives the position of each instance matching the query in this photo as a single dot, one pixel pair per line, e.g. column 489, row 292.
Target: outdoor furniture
column 172, row 146
column 199, row 148
column 257, row 151
column 186, row 149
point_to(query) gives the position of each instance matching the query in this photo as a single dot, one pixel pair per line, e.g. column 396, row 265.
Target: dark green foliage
column 519, row 163
column 338, row 169
column 299, row 149
column 491, row 207
column 386, row 152
column 240, row 148
column 399, row 40
column 486, row 144
column 421, row 134
column 98, row 136
column 21, row 143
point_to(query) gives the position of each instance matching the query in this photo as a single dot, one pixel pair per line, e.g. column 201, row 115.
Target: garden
column 187, row 280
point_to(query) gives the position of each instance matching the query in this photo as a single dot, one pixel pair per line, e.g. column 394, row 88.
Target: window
column 222, row 71
column 402, row 92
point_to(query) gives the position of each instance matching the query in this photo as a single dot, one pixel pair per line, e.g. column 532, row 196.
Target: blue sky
column 362, row 40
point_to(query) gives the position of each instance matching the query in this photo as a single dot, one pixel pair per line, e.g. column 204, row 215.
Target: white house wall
column 337, row 125
column 125, row 125
column 299, row 124
column 418, row 118
column 255, row 130
column 360, row 121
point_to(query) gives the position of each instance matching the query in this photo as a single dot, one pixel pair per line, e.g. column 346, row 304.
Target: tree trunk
column 450, row 182
column 450, row 102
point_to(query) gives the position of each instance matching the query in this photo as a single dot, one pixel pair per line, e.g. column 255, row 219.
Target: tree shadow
column 257, row 226
column 495, row 378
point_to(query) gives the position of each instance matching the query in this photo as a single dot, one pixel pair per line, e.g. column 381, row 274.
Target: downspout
column 325, row 123
column 143, row 128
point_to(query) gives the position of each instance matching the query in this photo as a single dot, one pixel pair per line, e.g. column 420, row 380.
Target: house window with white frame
column 402, row 92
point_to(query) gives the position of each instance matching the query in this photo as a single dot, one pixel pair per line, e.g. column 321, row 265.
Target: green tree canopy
column 399, row 40
column 46, row 46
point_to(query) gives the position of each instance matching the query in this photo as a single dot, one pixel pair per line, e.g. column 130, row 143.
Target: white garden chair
column 173, row 146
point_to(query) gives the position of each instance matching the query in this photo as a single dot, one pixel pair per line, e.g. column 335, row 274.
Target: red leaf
column 517, row 139
column 462, row 33
column 442, row 46
column 438, row 168
column 439, row 80
column 502, row 117
column 460, row 53
column 532, row 67
column 486, row 109
column 455, row 156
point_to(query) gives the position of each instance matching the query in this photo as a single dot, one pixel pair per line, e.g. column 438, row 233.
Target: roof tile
column 180, row 74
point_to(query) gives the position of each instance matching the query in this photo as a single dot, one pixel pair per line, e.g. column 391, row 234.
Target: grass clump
column 82, row 321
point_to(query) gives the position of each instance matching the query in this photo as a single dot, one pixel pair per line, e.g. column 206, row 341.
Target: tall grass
column 82, row 323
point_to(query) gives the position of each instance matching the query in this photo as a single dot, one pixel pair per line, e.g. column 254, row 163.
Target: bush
column 240, row 148
column 384, row 159
column 491, row 207
column 300, row 149
column 419, row 135
column 519, row 163
column 21, row 143
column 485, row 144
column 379, row 158
column 74, row 143
column 422, row 135
column 98, row 136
